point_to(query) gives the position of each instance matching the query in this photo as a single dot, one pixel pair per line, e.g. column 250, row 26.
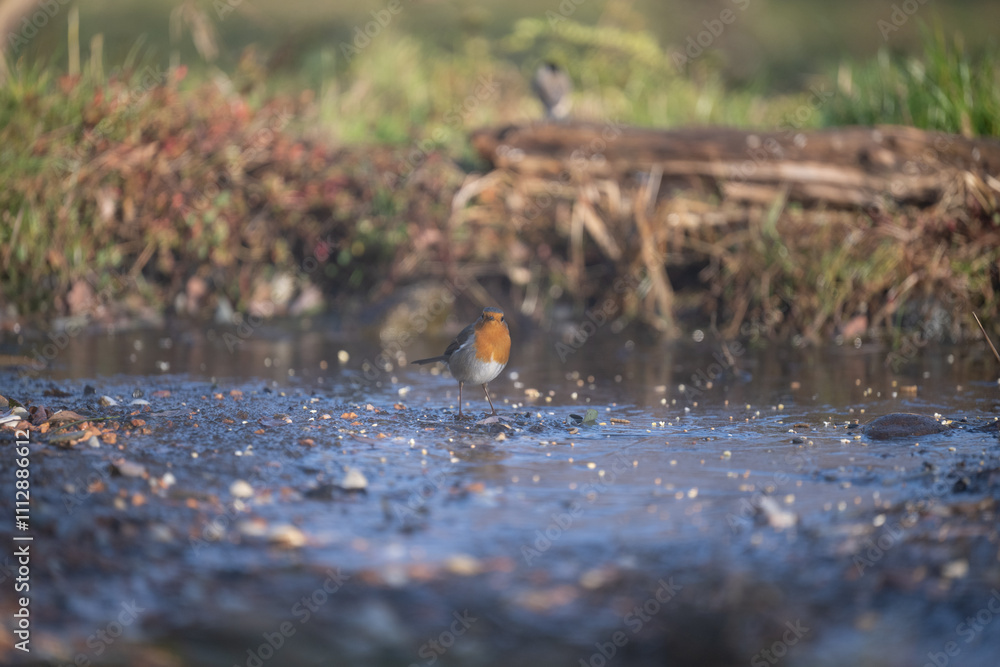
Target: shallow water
column 700, row 453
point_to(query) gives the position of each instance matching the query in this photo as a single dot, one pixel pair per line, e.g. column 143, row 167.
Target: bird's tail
column 431, row 360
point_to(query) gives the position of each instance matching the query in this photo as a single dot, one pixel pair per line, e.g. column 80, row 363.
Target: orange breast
column 493, row 342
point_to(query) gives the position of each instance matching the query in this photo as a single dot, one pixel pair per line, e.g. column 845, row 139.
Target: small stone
column 224, row 311
column 596, row 578
column 286, row 535
column 241, row 489
column 129, row 468
column 107, row 401
column 94, row 442
column 463, row 565
column 15, row 416
column 956, row 569
column 161, row 533
column 778, row 517
column 354, row 480
column 902, row 425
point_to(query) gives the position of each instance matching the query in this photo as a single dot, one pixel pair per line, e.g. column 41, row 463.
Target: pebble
column 129, row 468
column 463, row 565
column 287, row 535
column 956, row 569
column 354, row 480
column 107, row 401
column 778, row 517
column 241, row 489
column 902, row 425
column 14, row 416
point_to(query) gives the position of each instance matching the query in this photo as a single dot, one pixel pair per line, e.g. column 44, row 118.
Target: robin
column 553, row 87
column 478, row 353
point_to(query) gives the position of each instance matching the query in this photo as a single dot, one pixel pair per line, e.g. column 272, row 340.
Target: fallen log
column 839, row 167
column 838, row 232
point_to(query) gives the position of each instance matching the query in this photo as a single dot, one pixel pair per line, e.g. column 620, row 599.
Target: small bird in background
column 478, row 353
column 553, row 87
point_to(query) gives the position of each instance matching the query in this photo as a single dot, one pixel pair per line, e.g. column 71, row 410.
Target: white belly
column 467, row 368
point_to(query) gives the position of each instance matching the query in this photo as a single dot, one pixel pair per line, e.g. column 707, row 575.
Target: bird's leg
column 489, row 399
column 460, row 383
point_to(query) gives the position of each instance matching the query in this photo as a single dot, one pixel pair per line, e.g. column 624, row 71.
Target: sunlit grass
column 945, row 88
column 101, row 179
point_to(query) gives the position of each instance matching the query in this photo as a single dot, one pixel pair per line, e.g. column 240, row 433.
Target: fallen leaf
column 66, row 416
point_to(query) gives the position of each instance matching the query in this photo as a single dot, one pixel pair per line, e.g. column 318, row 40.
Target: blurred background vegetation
column 93, row 93
column 934, row 68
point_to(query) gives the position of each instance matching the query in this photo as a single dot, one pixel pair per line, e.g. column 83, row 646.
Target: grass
column 240, row 177
column 947, row 88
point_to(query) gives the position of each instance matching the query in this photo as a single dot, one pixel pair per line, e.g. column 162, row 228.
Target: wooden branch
column 840, row 167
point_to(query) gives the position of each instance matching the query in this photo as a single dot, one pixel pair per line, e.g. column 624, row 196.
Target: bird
column 553, row 87
column 478, row 353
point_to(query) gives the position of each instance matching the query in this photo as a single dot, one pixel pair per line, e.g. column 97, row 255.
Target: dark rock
column 902, row 425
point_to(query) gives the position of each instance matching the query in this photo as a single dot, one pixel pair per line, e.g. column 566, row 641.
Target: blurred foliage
column 946, row 88
column 331, row 169
column 132, row 179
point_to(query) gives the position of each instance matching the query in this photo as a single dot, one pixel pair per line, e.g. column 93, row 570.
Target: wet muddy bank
column 696, row 517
